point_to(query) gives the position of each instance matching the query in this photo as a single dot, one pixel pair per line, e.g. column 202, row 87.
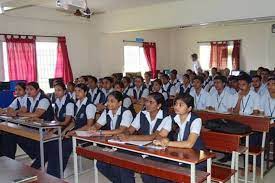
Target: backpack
column 227, row 126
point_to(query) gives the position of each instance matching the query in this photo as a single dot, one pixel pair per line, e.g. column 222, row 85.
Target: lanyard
column 219, row 103
column 271, row 111
column 196, row 102
column 244, row 106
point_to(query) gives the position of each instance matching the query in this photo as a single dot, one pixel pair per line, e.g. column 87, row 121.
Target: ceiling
column 97, row 5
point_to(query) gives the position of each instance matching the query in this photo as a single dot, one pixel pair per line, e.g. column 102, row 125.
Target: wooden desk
column 12, row 169
column 187, row 156
column 34, row 131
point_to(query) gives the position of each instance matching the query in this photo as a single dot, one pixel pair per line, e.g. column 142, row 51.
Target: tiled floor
column 87, row 175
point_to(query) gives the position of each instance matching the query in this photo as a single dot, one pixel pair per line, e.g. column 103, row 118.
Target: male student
column 257, row 85
column 246, row 101
column 208, row 83
column 196, row 64
column 268, row 100
column 185, row 87
column 201, row 97
column 265, row 74
column 221, row 101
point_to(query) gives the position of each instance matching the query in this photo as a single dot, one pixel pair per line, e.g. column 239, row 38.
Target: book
column 26, row 179
column 86, row 133
column 137, row 143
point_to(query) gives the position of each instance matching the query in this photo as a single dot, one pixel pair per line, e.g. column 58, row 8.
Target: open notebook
column 86, row 133
column 137, row 143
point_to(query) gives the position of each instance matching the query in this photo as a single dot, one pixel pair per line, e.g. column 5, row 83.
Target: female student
column 84, row 115
column 114, row 120
column 127, row 101
column 146, row 125
column 38, row 106
column 140, row 92
column 128, row 90
column 185, row 87
column 8, row 141
column 95, row 95
column 167, row 86
column 70, row 90
column 147, row 80
column 107, row 89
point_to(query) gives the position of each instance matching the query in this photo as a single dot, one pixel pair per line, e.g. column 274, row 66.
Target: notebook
column 137, row 143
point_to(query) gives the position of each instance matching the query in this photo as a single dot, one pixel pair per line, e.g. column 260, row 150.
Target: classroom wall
column 77, row 34
column 257, row 47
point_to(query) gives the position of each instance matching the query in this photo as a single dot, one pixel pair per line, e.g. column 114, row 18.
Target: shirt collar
column 178, row 121
column 118, row 112
column 36, row 98
column 158, row 116
column 62, row 101
column 78, row 104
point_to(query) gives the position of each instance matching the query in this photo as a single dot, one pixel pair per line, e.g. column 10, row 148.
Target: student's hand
column 100, row 107
column 162, row 142
column 123, row 137
column 70, row 133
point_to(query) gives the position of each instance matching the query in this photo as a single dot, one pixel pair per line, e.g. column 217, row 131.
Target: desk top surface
column 175, row 154
column 11, row 169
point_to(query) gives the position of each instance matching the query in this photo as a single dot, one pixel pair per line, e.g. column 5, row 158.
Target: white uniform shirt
column 196, row 66
column 201, row 101
column 172, row 89
column 22, row 101
column 69, row 107
column 92, row 93
column 262, row 90
column 43, row 104
column 268, row 105
column 90, row 109
column 144, row 94
column 221, row 102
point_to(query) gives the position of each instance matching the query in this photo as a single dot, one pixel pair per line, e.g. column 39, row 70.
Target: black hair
column 117, row 95
column 222, row 78
column 119, row 83
column 158, row 97
column 34, row 84
column 22, row 85
column 166, row 76
column 93, row 78
column 85, row 78
column 157, row 81
column 266, row 70
column 271, row 78
column 128, row 79
column 174, row 71
column 207, row 72
column 200, row 78
column 257, row 76
column 194, row 55
column 62, row 85
column 110, row 79
column 186, row 98
column 71, row 83
column 149, row 74
column 82, row 86
column 233, row 78
column 139, row 77
column 214, row 68
column 189, row 70
column 245, row 77
column 187, row 76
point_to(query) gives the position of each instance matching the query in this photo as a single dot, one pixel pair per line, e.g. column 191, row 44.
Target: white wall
column 77, row 34
column 257, row 46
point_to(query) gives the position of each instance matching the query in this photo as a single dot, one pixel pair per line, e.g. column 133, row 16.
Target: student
column 257, row 85
column 268, row 100
column 70, row 90
column 147, row 80
column 208, row 83
column 265, row 74
column 233, row 85
column 114, row 120
column 128, row 90
column 182, row 129
column 157, row 87
column 173, row 79
column 100, row 83
column 140, row 92
column 246, row 101
column 146, row 125
column 201, row 97
column 107, row 86
column 185, row 87
column 52, row 95
column 83, row 79
column 84, row 115
column 214, row 71
column 196, row 64
column 127, row 101
column 38, row 106
column 95, row 95
column 8, row 141
column 168, row 87
column 222, row 100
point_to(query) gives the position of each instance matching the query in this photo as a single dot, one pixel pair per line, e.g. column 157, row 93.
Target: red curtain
column 150, row 52
column 236, row 55
column 21, row 52
column 63, row 67
column 219, row 54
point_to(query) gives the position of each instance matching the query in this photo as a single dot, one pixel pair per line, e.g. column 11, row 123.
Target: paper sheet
column 137, row 143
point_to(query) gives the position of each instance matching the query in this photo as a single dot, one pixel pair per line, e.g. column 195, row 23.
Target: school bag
column 227, row 126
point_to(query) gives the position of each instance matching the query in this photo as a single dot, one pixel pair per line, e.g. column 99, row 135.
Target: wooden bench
column 140, row 165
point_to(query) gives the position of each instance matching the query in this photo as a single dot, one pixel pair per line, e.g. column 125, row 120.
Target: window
column 205, row 50
column 46, row 53
column 134, row 60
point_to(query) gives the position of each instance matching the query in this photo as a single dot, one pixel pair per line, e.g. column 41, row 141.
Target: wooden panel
column 140, row 165
column 221, row 174
column 11, row 170
column 220, row 141
column 176, row 154
column 23, row 131
column 257, row 123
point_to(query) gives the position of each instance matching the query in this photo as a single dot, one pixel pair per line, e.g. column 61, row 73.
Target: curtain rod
column 5, row 34
column 130, row 41
column 218, row 41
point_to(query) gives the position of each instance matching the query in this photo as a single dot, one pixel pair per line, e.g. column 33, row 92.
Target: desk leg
column 60, row 152
column 193, row 173
column 233, row 160
column 95, row 168
column 41, row 149
column 237, row 167
column 75, row 161
column 246, row 159
column 209, row 164
column 262, row 155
